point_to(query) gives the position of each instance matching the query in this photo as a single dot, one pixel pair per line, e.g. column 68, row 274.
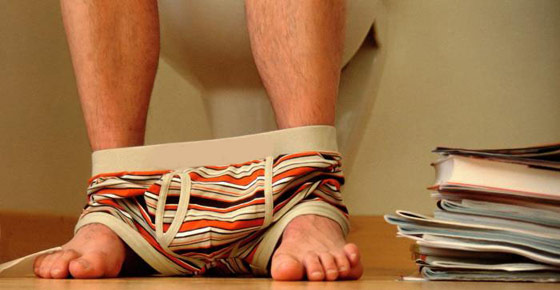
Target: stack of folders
column 497, row 217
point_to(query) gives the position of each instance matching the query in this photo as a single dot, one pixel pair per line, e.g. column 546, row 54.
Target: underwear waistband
column 217, row 151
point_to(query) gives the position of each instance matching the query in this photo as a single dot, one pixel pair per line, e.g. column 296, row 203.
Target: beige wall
column 457, row 73
column 43, row 149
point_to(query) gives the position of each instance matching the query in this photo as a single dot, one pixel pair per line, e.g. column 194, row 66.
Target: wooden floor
column 367, row 282
column 385, row 258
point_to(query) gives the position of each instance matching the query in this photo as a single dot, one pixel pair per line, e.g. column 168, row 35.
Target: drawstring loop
column 165, row 238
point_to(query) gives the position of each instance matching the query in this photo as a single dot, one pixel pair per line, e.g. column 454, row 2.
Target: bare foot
column 313, row 246
column 94, row 252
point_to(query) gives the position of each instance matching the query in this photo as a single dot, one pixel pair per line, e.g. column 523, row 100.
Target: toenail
column 84, row 264
column 55, row 271
column 342, row 269
column 317, row 274
column 353, row 256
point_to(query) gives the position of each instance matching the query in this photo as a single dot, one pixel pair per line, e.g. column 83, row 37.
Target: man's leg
column 297, row 47
column 114, row 47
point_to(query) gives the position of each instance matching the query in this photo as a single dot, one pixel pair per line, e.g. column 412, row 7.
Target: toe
column 355, row 273
column 45, row 268
column 286, row 268
column 79, row 268
column 329, row 266
column 313, row 267
column 85, row 267
column 94, row 265
column 37, row 265
column 353, row 254
column 59, row 267
column 342, row 263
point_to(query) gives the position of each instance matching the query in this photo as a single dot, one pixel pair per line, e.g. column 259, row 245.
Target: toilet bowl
column 207, row 43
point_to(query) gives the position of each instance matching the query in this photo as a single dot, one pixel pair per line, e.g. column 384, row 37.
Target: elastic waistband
column 173, row 156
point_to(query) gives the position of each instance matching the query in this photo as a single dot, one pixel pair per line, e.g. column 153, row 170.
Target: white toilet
column 208, row 44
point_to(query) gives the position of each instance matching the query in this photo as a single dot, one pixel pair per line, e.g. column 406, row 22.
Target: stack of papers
column 497, row 217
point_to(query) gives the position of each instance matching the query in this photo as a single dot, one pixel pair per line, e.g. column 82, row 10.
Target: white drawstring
column 165, row 238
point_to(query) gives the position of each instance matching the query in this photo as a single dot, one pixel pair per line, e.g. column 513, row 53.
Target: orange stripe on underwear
column 122, row 192
column 218, row 224
column 110, row 202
